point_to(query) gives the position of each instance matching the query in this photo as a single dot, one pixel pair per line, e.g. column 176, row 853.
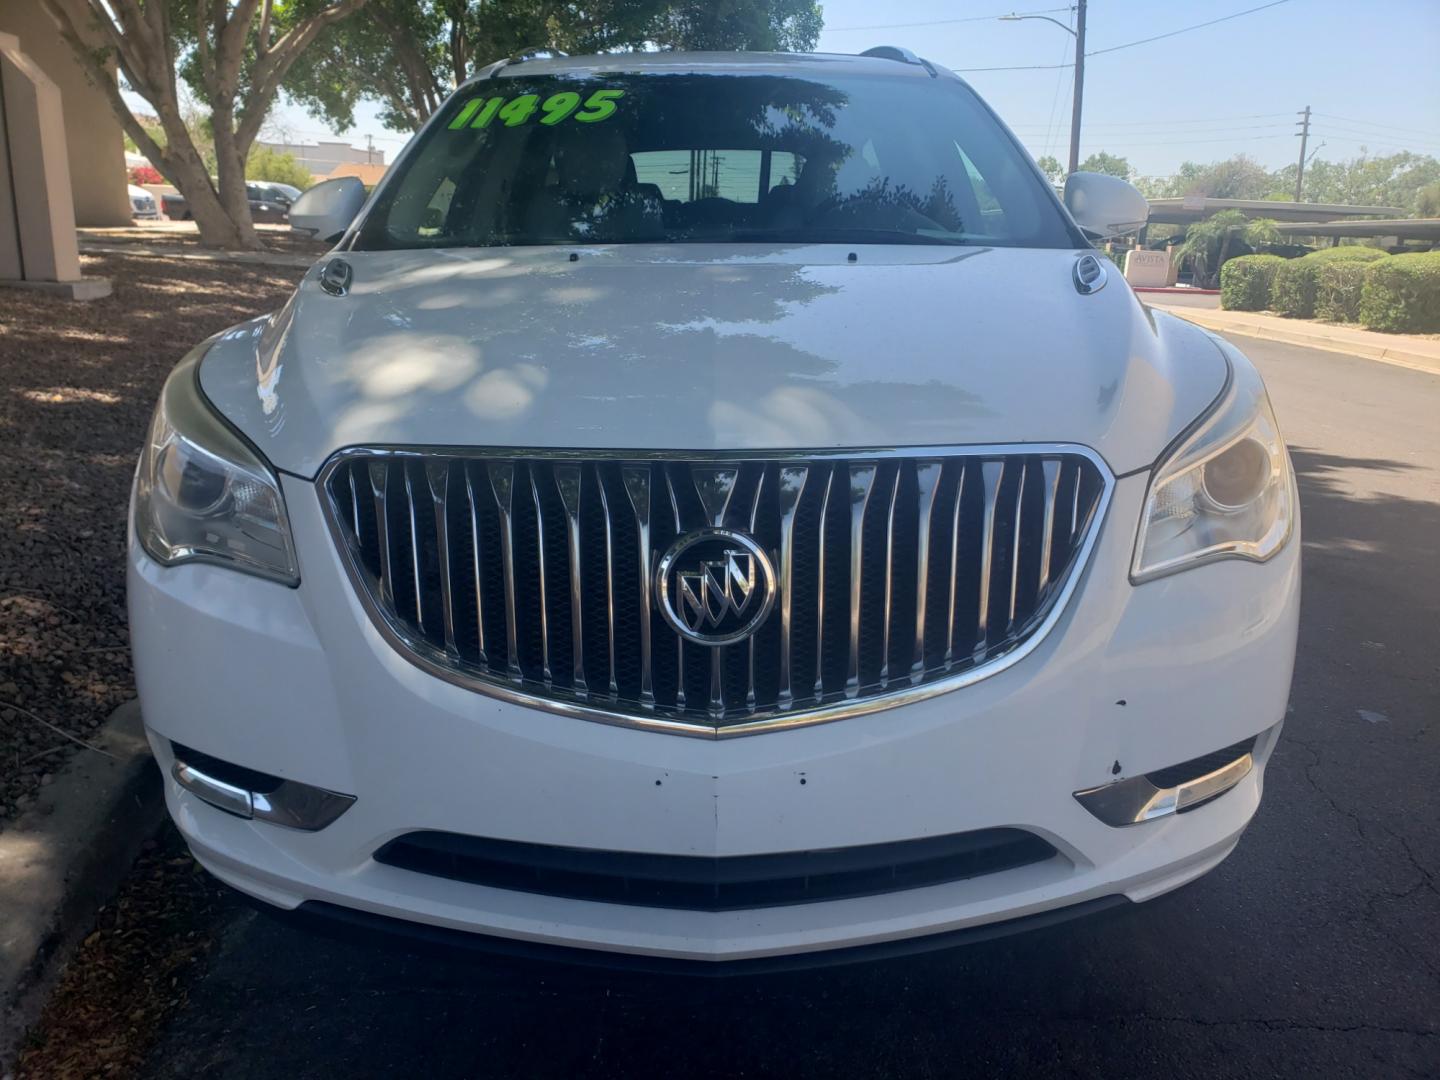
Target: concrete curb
column 64, row 858
column 1327, row 338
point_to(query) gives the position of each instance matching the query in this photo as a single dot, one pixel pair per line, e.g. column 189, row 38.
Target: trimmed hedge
column 1245, row 282
column 1402, row 294
column 1293, row 291
column 1337, row 292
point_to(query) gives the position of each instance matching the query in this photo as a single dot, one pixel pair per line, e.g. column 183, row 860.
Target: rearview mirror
column 327, row 209
column 1104, row 206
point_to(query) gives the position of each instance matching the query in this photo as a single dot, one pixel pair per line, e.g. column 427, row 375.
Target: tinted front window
column 706, row 158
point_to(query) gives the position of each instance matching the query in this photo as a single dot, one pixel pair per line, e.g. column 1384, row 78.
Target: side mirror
column 327, row 209
column 1104, row 206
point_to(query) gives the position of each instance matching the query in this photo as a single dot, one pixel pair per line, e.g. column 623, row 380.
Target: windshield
column 626, row 158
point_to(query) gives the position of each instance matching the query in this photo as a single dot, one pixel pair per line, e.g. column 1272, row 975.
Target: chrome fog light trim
column 292, row 805
column 1129, row 802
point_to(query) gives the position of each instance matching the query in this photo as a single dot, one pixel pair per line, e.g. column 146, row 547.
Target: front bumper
column 299, row 684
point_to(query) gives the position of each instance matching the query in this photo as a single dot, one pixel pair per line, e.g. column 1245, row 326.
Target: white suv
column 715, row 509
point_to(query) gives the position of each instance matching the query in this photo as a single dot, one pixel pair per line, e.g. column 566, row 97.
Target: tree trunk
column 237, row 68
column 179, row 161
column 1220, row 259
column 230, row 167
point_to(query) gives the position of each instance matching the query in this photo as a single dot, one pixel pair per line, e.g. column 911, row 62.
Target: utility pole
column 369, row 149
column 1079, row 85
column 1304, row 133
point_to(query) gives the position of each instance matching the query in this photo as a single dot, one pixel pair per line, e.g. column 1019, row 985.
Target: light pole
column 1077, row 97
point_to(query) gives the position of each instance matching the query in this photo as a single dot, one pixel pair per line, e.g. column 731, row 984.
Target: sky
column 1368, row 71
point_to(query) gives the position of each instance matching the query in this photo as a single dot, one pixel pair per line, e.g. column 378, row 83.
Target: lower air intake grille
column 543, row 577
column 724, row 884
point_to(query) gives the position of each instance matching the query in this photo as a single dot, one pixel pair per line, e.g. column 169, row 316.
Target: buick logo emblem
column 715, row 586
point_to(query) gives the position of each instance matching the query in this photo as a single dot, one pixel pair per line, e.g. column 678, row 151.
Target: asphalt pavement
column 1313, row 951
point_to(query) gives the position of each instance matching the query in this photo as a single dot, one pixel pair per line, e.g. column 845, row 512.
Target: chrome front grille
column 898, row 574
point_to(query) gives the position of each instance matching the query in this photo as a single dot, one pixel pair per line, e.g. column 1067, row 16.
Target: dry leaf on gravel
column 77, row 383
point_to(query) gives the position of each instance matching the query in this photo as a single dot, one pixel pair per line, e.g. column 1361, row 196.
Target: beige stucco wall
column 93, row 139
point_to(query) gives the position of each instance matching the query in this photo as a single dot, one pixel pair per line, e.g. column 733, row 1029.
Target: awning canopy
column 1403, row 228
column 1191, row 208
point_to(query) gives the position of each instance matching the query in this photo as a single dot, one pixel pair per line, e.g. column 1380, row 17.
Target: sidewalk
column 1420, row 352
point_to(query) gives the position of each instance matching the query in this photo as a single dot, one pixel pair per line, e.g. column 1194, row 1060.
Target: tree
column 1109, row 164
column 1393, row 180
column 1207, row 243
column 1052, row 168
column 410, row 54
column 1239, row 177
column 152, row 129
column 234, row 54
column 1427, row 201
column 277, row 167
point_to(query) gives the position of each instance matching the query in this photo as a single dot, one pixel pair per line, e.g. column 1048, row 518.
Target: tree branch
column 271, row 68
column 423, row 88
column 100, row 77
column 263, row 45
column 232, row 31
column 132, row 67
column 203, row 28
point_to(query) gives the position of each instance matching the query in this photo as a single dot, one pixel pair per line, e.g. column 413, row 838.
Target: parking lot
column 1312, row 950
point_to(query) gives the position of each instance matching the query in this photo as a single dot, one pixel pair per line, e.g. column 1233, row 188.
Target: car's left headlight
column 203, row 494
column 1226, row 490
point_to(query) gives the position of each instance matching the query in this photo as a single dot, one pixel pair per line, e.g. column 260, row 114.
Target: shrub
column 146, row 174
column 1245, row 282
column 278, row 168
column 1293, row 291
column 1337, row 291
column 1402, row 294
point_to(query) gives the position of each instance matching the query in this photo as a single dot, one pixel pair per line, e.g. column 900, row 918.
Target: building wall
column 321, row 158
column 94, row 142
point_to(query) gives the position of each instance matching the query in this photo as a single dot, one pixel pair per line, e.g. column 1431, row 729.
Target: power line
column 1131, row 44
column 1171, row 123
column 941, row 22
column 1377, row 124
column 1161, row 129
column 1387, row 136
column 1351, row 128
column 1378, row 137
column 1015, row 67
column 1050, row 128
column 1124, row 144
column 1187, row 29
column 1400, row 142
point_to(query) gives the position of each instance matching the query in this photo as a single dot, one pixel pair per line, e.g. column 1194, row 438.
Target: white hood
column 690, row 347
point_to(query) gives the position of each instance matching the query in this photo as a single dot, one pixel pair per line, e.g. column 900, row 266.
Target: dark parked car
column 268, row 203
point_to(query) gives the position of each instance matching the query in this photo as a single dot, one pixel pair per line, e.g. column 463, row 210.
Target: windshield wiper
column 832, row 235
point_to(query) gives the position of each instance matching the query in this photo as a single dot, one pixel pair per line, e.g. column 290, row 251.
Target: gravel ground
column 132, row 970
column 79, row 381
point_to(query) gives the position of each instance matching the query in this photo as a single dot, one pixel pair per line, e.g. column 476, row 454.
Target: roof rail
column 904, row 56
column 533, row 52
column 892, row 52
column 538, row 52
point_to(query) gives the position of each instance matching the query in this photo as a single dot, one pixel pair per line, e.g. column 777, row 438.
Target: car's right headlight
column 203, row 494
column 1226, row 491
